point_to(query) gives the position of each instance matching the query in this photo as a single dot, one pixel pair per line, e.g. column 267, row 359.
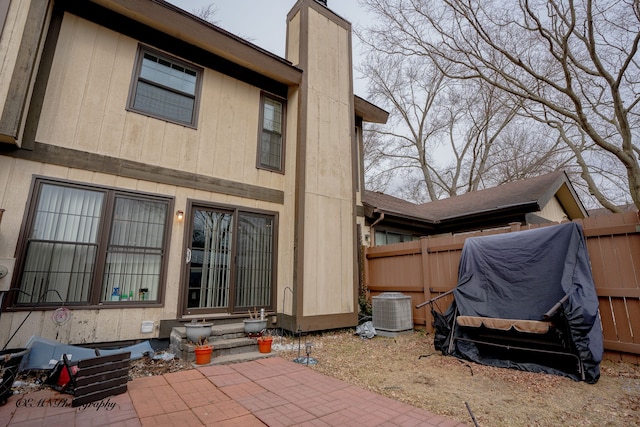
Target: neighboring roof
column 381, row 202
column 533, row 192
column 379, row 206
column 510, row 200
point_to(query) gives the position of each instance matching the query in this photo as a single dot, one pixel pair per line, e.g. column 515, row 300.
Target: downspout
column 372, row 228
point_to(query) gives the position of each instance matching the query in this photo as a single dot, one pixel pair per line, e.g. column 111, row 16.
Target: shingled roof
column 535, row 192
column 507, row 202
column 382, row 202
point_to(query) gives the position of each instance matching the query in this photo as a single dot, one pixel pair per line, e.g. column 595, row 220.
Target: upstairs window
column 271, row 136
column 165, row 88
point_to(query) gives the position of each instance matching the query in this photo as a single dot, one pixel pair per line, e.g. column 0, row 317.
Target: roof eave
column 563, row 190
column 369, row 112
column 516, row 207
column 165, row 17
column 414, row 223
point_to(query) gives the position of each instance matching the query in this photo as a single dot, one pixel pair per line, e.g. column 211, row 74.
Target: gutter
column 494, row 210
column 372, row 228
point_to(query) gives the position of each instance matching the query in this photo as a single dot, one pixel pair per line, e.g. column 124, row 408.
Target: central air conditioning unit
column 392, row 313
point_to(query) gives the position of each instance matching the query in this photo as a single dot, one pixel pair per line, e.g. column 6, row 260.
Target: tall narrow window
column 271, row 145
column 165, row 87
column 90, row 245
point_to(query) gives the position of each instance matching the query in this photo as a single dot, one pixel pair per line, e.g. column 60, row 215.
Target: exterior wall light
column 180, row 215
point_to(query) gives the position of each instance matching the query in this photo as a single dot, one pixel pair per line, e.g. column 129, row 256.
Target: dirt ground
column 408, row 369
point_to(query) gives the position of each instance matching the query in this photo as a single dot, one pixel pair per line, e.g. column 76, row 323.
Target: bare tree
column 572, row 64
column 376, row 171
column 441, row 132
column 207, row 13
column 408, row 89
column 527, row 150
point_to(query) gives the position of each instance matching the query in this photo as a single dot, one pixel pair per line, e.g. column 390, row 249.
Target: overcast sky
column 264, row 22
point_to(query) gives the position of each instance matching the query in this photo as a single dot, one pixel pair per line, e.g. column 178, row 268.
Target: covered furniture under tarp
column 527, row 301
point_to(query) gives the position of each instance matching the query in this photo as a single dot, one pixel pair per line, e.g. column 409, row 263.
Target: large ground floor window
column 90, row 245
column 231, row 260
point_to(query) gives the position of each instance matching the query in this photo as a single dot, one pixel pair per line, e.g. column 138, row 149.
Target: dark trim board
column 60, row 156
column 325, row 322
column 17, row 100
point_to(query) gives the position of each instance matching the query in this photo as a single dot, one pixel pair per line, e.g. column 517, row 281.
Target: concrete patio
column 272, row 392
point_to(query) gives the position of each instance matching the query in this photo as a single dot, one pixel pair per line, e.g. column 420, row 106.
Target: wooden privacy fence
column 427, row 268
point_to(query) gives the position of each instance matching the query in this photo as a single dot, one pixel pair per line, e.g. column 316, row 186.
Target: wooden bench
column 517, row 337
column 92, row 379
column 550, row 336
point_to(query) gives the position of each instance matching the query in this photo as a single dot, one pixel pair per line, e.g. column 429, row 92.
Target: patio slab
column 272, row 392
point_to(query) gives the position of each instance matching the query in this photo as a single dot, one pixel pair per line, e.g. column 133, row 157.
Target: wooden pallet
column 93, row 379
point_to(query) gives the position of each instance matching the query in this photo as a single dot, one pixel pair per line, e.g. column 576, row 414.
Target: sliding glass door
column 254, row 266
column 230, row 259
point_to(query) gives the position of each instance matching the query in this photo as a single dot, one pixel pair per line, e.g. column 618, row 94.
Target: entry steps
column 229, row 341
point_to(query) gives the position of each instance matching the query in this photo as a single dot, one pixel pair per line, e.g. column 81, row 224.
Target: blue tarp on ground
column 521, row 276
column 45, row 353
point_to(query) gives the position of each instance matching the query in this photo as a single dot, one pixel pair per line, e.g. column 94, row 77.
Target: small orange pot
column 264, row 344
column 203, row 354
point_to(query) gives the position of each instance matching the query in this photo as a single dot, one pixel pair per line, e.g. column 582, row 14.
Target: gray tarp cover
column 45, row 353
column 521, row 276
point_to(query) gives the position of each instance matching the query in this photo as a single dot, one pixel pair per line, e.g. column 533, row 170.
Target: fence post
column 426, row 280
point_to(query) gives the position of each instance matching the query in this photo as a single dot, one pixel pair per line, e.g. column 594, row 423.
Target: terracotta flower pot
column 203, row 354
column 264, row 344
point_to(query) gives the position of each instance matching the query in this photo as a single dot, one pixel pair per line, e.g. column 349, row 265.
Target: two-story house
column 155, row 168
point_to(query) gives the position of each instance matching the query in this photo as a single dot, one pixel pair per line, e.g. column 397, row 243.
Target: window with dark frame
column 271, row 136
column 165, row 87
column 231, row 249
column 91, row 245
column 384, row 237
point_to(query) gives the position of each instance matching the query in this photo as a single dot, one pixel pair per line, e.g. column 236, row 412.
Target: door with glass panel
column 229, row 261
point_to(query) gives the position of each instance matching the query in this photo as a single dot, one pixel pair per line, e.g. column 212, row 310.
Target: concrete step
column 226, row 347
column 229, row 342
column 231, row 330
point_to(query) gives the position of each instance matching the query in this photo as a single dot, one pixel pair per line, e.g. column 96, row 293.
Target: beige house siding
column 96, row 325
column 21, row 32
column 330, row 220
column 90, row 80
column 553, row 211
column 11, row 36
column 80, row 130
column 293, row 43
